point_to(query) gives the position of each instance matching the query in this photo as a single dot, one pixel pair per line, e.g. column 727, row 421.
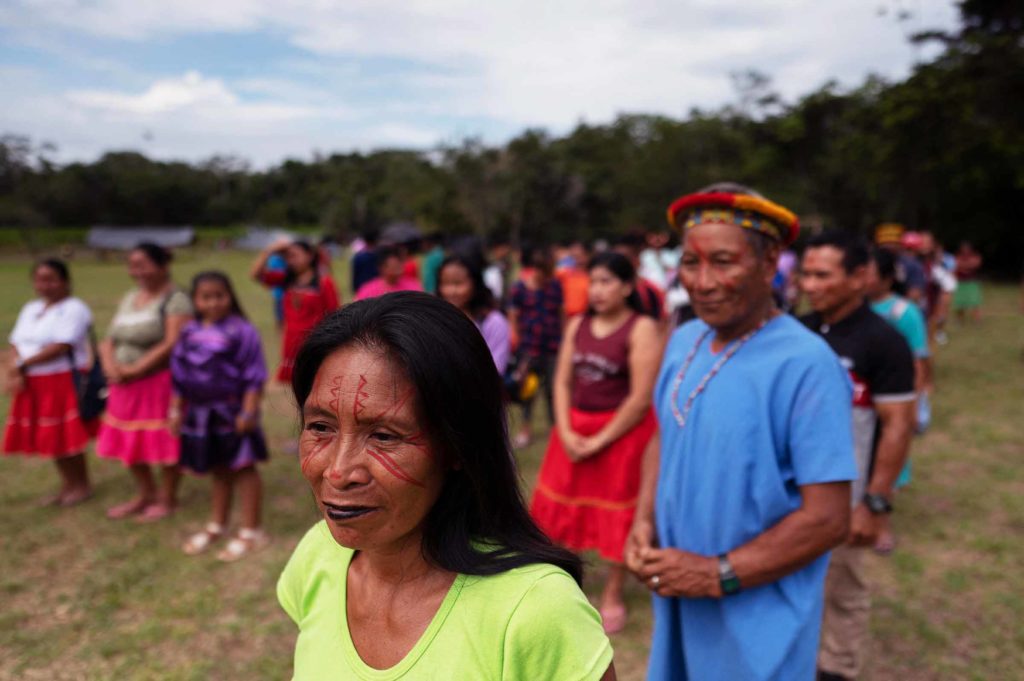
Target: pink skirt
column 134, row 427
column 44, row 418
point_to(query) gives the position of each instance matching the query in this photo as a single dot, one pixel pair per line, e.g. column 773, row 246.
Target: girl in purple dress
column 218, row 373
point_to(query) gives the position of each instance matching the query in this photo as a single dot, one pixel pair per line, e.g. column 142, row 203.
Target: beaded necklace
column 726, row 356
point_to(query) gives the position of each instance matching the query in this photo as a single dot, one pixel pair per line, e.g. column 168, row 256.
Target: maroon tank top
column 600, row 367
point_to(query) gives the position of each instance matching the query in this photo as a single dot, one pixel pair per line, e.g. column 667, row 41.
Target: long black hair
column 623, row 270
column 479, row 524
column 217, row 277
column 291, row 275
column 482, row 301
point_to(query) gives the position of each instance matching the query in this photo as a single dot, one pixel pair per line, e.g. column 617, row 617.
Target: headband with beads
column 742, row 210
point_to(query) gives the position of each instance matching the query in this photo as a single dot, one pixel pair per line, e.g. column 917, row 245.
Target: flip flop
column 154, row 512
column 128, row 508
column 613, row 619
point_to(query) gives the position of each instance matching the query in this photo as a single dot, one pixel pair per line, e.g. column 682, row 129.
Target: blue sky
column 272, row 79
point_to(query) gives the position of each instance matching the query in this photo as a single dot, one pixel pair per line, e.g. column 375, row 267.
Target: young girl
column 460, row 281
column 309, row 294
column 218, row 373
column 586, row 492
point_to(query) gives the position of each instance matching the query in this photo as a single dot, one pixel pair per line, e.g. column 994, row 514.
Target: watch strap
column 877, row 504
column 727, row 578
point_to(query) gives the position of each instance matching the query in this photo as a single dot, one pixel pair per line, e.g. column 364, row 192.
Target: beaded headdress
column 742, row 210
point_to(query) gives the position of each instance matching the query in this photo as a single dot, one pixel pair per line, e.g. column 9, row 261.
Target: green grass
column 82, row 597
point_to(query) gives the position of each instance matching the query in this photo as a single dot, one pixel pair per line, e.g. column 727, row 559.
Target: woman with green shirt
column 426, row 564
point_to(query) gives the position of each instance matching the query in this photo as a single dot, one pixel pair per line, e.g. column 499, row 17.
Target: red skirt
column 290, row 346
column 44, row 418
column 135, row 427
column 590, row 504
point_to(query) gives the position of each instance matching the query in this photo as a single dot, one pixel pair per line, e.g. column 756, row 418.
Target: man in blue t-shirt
column 746, row 484
column 833, row 276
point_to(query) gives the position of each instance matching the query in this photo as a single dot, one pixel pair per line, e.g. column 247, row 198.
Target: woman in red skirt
column 50, row 344
column 587, row 490
column 309, row 294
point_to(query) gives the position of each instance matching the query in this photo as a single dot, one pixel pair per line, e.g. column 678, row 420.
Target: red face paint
column 419, row 441
column 392, row 467
column 358, row 404
column 335, row 392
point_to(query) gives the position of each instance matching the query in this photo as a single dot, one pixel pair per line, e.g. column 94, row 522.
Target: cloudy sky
column 270, row 79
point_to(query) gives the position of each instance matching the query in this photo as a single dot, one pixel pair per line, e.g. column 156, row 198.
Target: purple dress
column 212, row 367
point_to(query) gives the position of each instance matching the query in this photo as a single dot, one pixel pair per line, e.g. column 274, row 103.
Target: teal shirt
column 431, row 266
column 525, row 624
column 908, row 320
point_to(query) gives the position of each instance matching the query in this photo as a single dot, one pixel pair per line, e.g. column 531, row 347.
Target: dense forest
column 941, row 150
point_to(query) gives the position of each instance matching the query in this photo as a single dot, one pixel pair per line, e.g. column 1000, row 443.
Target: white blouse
column 40, row 325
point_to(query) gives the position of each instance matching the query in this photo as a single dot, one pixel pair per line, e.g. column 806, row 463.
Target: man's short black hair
column 385, row 252
column 853, row 247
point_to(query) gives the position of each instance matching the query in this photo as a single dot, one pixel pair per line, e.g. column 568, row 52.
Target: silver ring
column 655, row 580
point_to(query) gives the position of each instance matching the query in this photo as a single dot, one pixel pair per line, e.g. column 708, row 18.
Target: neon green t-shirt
column 525, row 624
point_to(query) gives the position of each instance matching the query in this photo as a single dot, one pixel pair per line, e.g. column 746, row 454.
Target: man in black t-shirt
column 881, row 367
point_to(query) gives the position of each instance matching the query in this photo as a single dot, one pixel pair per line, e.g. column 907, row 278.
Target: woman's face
column 298, row 259
column 456, row 286
column 607, row 293
column 365, row 452
column 48, row 284
column 146, row 273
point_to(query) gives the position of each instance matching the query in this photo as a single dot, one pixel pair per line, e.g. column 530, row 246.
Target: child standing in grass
column 218, row 373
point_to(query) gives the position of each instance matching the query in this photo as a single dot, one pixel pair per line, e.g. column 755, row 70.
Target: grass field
column 82, row 597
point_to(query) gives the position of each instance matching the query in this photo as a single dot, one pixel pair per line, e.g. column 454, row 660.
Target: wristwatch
column 727, row 578
column 877, row 504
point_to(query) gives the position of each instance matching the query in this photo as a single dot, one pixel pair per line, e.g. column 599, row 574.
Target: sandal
column 248, row 541
column 613, row 618
column 154, row 512
column 203, row 540
column 127, row 508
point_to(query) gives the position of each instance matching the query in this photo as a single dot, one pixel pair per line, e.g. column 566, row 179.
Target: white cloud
column 196, row 96
column 531, row 62
column 190, row 90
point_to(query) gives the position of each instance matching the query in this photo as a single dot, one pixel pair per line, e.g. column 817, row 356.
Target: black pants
column 544, row 365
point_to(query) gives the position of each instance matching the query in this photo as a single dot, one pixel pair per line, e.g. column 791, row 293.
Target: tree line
column 942, row 150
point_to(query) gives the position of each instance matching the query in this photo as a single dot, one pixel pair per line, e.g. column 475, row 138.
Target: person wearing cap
column 746, row 484
column 910, row 273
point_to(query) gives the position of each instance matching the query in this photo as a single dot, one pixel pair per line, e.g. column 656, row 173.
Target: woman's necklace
column 726, row 356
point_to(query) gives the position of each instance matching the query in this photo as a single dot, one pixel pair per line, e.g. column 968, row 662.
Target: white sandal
column 249, row 540
column 201, row 541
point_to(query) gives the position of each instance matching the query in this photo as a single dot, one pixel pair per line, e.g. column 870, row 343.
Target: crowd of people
column 737, row 459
